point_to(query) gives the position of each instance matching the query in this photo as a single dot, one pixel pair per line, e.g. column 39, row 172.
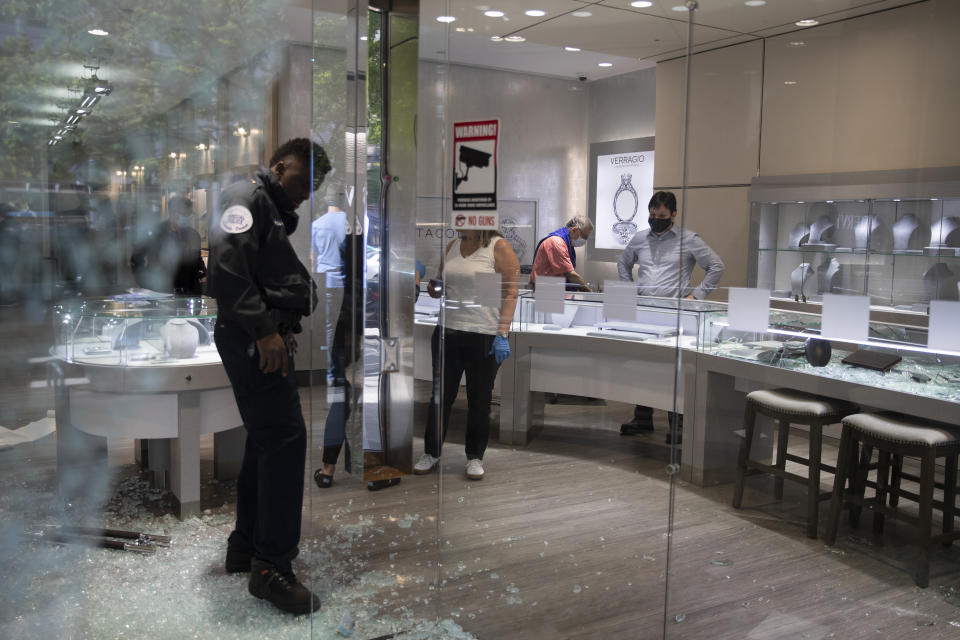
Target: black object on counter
column 818, row 351
column 876, row 360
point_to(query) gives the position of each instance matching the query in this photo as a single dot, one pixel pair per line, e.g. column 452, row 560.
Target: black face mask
column 659, row 225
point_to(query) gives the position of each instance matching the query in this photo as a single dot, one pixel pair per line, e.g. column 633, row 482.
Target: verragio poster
column 624, row 186
column 475, row 174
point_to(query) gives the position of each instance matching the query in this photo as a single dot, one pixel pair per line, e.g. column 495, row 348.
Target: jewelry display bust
column 827, row 275
column 802, row 281
column 944, row 234
column 821, row 232
column 870, row 233
column 904, row 230
column 800, row 235
column 940, row 283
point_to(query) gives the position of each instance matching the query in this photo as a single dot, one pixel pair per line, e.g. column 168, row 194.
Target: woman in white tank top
column 475, row 341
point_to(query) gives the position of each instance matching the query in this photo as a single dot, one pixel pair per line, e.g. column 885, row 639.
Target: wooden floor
column 565, row 538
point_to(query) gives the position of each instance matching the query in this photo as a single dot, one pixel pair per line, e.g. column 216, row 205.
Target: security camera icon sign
column 470, row 157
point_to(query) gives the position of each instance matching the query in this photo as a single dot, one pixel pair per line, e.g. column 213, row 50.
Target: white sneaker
column 475, row 469
column 425, row 464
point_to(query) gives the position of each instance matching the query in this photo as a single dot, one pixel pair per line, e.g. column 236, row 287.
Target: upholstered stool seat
column 896, row 435
column 786, row 407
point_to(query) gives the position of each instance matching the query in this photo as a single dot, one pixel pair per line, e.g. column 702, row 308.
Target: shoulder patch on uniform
column 236, row 219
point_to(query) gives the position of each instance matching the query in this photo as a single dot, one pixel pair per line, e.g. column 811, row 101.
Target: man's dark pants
column 270, row 485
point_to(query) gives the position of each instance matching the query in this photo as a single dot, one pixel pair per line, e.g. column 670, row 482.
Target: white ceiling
column 629, row 38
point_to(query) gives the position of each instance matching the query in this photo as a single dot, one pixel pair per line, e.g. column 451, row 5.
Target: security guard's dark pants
column 270, row 485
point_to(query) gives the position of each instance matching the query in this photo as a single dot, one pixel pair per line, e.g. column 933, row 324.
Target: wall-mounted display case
column 136, row 330
column 893, row 236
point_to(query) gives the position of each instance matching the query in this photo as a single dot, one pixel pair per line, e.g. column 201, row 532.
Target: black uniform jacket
column 254, row 273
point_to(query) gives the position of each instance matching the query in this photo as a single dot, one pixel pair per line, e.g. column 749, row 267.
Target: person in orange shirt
column 555, row 254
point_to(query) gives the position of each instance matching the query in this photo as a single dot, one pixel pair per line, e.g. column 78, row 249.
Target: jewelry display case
column 665, row 321
column 144, row 366
column 892, row 235
column 895, row 357
column 136, row 330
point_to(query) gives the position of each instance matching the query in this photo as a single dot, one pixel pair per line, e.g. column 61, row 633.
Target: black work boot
column 238, row 560
column 283, row 591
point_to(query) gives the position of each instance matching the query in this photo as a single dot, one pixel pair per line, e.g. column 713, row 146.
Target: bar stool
column 787, row 407
column 893, row 434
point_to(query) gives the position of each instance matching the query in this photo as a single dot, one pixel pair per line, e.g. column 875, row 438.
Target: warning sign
column 475, row 174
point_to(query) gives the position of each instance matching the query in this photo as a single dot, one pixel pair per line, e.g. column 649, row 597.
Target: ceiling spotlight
column 493, row 13
column 173, row 154
column 461, row 30
column 797, row 43
column 200, row 147
column 755, row 3
column 58, row 137
column 240, row 131
column 581, row 14
column 679, row 7
column 535, row 13
column 98, row 32
column 13, row 122
column 571, row 48
column 496, row 39
column 445, row 18
column 82, row 111
column 361, row 37
column 789, row 82
column 515, row 39
column 604, row 64
column 807, row 22
column 641, row 4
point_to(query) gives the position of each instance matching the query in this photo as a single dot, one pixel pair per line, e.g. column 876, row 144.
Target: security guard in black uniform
column 262, row 291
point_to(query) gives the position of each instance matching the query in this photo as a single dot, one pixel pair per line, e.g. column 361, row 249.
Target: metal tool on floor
column 118, row 539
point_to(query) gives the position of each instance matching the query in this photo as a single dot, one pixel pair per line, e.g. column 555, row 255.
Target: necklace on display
column 624, row 229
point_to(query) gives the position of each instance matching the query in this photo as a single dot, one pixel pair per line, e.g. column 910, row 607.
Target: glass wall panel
column 126, row 131
column 813, row 499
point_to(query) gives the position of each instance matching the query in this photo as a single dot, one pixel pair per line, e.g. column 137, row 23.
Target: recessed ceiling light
column 789, row 82
column 13, row 122
column 641, row 4
column 755, row 3
column 496, row 39
column 515, row 39
column 469, row 29
column 493, row 13
column 581, row 14
column 461, row 30
column 679, row 7
column 807, row 22
column 361, row 37
column 797, row 43
column 445, row 18
column 535, row 13
column 571, row 48
column 604, row 64
column 98, row 32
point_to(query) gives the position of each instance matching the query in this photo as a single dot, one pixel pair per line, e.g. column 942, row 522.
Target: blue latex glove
column 500, row 349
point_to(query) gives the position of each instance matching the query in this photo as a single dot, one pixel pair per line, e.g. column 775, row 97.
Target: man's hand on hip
column 273, row 354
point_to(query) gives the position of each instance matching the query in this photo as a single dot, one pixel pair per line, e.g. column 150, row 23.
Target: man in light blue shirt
column 665, row 256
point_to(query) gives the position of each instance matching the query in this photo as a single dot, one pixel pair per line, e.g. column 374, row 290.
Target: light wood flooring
column 565, row 538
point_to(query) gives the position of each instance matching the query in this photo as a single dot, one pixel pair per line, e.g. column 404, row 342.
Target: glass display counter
column 144, row 366
column 665, row 321
column 895, row 356
column 132, row 330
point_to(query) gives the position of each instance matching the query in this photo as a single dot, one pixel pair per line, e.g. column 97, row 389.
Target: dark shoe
column 323, row 480
column 238, row 560
column 634, row 427
column 283, row 591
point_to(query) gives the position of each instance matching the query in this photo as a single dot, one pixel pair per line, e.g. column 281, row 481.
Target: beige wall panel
column 877, row 92
column 725, row 93
column 721, row 216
